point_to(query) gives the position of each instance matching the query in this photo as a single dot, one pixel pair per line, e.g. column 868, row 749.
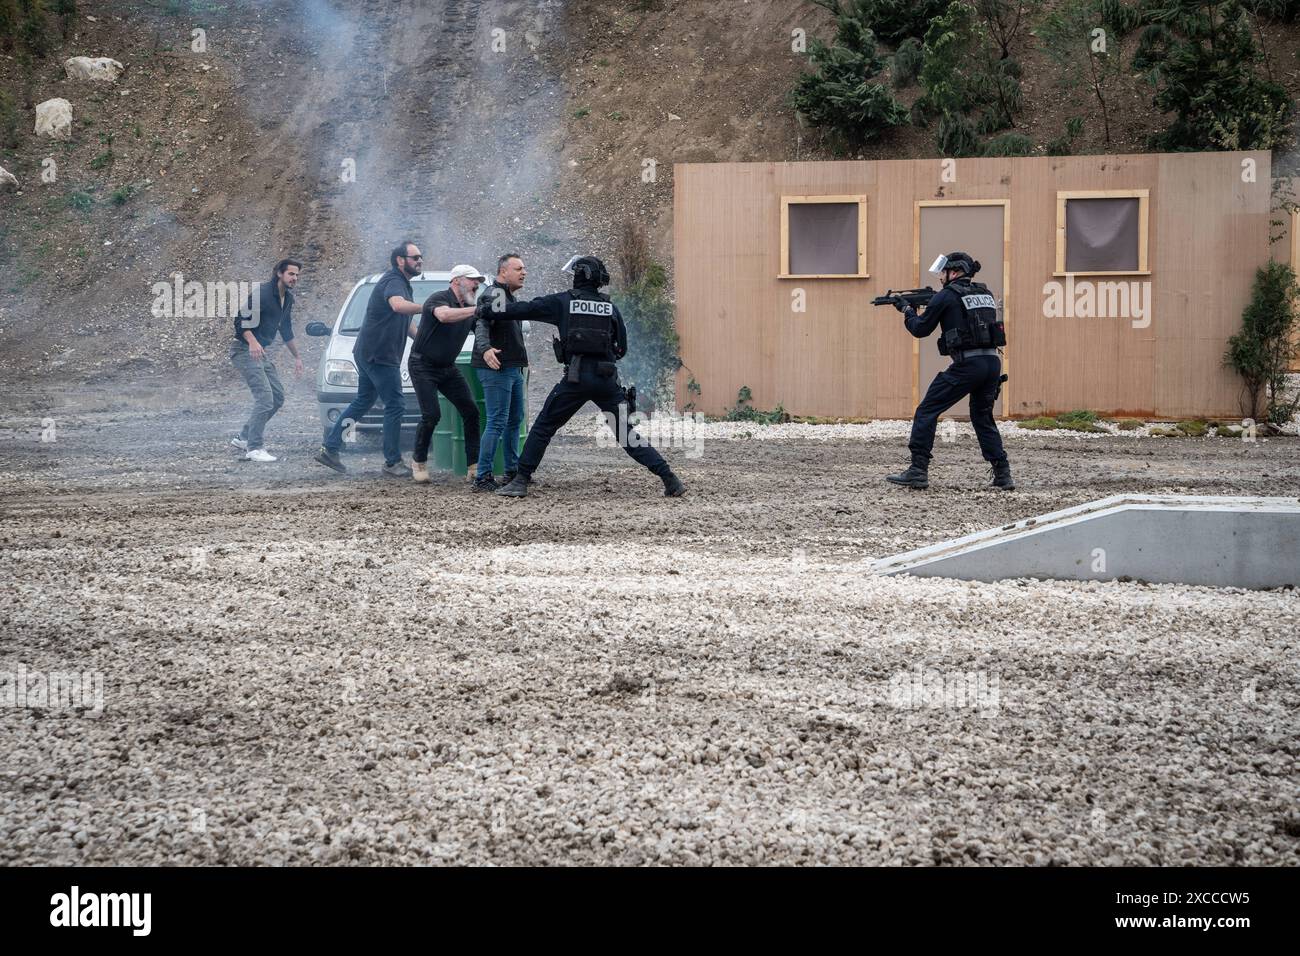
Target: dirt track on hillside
column 299, row 667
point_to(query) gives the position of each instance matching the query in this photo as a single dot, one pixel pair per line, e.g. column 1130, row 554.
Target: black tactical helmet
column 961, row 262
column 589, row 271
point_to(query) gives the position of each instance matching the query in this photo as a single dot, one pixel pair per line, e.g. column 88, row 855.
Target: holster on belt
column 575, row 369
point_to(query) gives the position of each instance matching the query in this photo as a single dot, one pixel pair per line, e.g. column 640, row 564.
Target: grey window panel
column 823, row 238
column 1101, row 235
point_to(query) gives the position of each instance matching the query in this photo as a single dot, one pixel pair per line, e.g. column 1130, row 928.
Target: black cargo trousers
column 975, row 375
column 563, row 403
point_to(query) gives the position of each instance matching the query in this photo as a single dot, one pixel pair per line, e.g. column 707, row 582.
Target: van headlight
column 341, row 372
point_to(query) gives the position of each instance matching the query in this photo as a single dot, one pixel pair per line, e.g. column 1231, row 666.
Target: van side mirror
column 317, row 329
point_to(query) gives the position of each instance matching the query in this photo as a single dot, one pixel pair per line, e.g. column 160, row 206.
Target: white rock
column 54, row 119
column 7, row 179
column 101, row 69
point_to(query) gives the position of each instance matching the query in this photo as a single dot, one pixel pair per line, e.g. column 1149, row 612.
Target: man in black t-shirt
column 445, row 322
column 377, row 355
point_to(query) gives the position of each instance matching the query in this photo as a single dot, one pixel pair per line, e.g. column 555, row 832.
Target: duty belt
column 966, row 352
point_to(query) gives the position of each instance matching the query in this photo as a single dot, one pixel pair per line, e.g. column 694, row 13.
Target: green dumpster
column 448, row 450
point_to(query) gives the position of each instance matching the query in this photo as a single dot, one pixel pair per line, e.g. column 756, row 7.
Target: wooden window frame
column 788, row 201
column 1295, row 240
column 1144, row 221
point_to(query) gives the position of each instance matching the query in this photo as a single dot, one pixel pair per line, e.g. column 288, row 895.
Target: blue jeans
column 503, row 394
column 374, row 382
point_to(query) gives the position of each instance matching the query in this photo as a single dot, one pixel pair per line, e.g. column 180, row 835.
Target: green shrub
column 80, row 200
column 1202, row 58
column 905, row 67
column 964, row 81
column 892, row 20
column 66, row 11
column 957, row 136
column 839, row 94
column 743, row 411
column 1282, row 11
column 1009, row 144
column 9, row 22
column 1040, row 423
column 1262, row 352
column 1077, row 426
column 120, row 195
column 1193, row 428
column 9, row 119
column 1128, row 424
column 35, row 28
column 103, row 159
column 1081, row 415
column 1080, row 420
column 1063, row 145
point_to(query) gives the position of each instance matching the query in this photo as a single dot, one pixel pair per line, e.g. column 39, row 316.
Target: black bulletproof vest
column 590, row 326
column 980, row 326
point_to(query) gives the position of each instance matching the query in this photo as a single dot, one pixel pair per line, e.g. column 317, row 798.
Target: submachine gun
column 916, row 298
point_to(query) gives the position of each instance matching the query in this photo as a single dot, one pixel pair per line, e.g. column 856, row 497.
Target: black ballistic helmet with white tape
column 587, row 271
column 955, row 260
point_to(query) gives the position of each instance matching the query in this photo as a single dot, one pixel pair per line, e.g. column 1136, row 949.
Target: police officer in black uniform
column 592, row 338
column 971, row 335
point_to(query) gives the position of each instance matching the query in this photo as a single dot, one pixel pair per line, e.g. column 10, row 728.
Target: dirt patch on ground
column 304, row 668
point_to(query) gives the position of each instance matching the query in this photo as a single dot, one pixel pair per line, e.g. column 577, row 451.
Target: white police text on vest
column 588, row 307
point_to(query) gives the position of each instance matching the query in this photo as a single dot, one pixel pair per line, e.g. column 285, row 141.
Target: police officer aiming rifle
column 592, row 338
column 971, row 335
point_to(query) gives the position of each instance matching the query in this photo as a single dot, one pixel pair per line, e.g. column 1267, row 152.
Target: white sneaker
column 239, row 443
column 420, row 471
column 260, row 454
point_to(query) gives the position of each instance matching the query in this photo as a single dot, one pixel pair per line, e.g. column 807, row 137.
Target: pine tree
column 839, row 95
column 9, row 24
column 35, row 29
column 66, row 10
column 1202, row 58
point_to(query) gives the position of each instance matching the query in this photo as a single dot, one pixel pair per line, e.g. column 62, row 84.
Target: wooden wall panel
column 1207, row 233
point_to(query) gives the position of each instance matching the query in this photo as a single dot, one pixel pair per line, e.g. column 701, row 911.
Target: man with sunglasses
column 378, row 356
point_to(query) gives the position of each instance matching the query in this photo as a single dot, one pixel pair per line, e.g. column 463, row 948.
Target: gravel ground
column 304, row 668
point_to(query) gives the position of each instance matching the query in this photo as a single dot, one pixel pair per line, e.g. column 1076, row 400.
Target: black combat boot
column 518, row 487
column 673, row 487
column 914, row 477
column 1002, row 475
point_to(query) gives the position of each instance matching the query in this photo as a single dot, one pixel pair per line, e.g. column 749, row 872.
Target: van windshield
column 352, row 318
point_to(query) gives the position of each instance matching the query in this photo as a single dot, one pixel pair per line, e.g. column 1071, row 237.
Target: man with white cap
column 446, row 320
